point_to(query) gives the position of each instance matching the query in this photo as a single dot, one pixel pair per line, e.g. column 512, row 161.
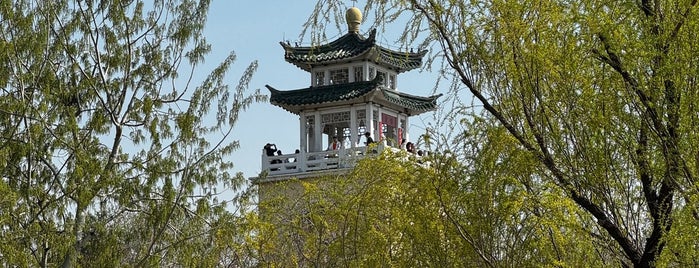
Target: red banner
column 389, row 120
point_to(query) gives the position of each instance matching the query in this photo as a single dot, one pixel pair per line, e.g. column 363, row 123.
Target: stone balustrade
column 314, row 161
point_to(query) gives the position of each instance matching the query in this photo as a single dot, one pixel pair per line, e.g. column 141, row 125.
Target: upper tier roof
column 351, row 93
column 352, row 46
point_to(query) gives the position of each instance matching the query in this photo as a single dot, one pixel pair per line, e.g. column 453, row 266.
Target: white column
column 353, row 126
column 370, row 120
column 318, row 134
column 395, row 82
column 303, row 139
column 350, row 73
column 265, row 163
column 378, row 128
column 400, row 128
column 406, row 130
column 365, row 70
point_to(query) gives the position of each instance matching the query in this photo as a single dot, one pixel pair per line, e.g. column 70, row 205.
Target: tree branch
column 544, row 157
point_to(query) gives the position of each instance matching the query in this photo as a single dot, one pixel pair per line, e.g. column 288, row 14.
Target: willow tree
column 111, row 152
column 600, row 94
column 396, row 209
column 382, row 213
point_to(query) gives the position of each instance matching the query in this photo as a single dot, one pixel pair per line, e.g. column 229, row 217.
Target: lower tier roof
column 298, row 100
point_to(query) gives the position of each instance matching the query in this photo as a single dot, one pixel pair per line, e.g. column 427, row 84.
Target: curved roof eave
column 321, row 95
column 297, row 100
column 349, row 47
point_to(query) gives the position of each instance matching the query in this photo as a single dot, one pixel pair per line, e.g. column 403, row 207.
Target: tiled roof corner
column 417, row 103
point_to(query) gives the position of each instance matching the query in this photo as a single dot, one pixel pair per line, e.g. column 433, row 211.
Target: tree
column 377, row 215
column 600, row 95
column 399, row 210
column 111, row 152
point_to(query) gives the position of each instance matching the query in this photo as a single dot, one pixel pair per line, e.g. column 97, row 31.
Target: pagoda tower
column 353, row 96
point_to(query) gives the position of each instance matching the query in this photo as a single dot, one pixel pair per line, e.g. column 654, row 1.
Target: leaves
column 101, row 133
column 580, row 102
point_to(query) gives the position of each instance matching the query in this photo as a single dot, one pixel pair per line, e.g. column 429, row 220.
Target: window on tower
column 320, row 78
column 358, row 73
column 339, row 76
column 382, row 77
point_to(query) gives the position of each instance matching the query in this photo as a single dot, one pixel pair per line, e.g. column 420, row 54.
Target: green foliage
column 393, row 211
column 107, row 157
column 591, row 105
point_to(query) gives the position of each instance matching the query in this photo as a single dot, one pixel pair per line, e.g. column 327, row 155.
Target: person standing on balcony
column 410, row 147
column 296, row 157
column 335, row 145
column 369, row 140
column 270, row 149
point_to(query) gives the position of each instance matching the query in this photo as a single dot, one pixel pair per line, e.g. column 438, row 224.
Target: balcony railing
column 314, row 161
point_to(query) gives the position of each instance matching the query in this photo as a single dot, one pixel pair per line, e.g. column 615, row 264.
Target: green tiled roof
column 349, row 46
column 295, row 100
column 416, row 103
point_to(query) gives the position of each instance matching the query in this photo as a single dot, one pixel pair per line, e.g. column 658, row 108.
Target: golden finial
column 354, row 19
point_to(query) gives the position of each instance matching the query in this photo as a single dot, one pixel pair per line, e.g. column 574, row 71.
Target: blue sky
column 253, row 29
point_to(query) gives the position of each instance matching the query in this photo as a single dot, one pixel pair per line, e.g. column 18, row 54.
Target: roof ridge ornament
column 354, row 19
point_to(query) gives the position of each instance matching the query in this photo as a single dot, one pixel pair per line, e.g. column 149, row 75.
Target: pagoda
column 353, row 98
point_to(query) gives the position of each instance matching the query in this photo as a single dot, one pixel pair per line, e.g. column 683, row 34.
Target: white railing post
column 265, row 161
column 301, row 161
